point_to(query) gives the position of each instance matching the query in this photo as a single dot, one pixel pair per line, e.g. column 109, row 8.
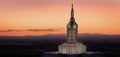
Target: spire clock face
column 74, row 26
column 68, row 26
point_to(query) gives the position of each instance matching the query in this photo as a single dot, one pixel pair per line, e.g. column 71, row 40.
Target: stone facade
column 76, row 48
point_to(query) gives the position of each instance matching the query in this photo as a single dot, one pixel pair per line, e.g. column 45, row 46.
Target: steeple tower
column 72, row 46
column 72, row 29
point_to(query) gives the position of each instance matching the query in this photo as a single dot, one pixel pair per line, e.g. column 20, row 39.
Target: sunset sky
column 40, row 17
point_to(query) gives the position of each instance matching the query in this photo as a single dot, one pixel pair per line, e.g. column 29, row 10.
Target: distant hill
column 59, row 38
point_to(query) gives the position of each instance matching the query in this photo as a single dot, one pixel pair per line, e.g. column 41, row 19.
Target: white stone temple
column 72, row 46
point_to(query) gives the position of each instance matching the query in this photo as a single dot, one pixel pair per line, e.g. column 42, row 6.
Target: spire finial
column 72, row 5
column 72, row 12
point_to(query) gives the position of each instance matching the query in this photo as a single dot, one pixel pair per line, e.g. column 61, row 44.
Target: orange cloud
column 34, row 30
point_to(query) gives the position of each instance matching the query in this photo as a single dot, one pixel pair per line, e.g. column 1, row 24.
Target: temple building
column 72, row 46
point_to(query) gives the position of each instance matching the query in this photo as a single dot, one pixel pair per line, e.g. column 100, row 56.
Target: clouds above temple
column 32, row 30
column 38, row 30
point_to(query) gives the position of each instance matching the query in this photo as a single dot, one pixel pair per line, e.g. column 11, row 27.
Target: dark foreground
column 37, row 50
column 34, row 46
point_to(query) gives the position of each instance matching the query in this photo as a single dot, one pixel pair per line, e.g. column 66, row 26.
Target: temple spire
column 72, row 12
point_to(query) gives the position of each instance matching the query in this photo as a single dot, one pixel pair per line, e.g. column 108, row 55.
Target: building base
column 56, row 54
column 72, row 48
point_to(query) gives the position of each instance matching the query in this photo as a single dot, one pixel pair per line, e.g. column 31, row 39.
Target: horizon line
column 65, row 34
